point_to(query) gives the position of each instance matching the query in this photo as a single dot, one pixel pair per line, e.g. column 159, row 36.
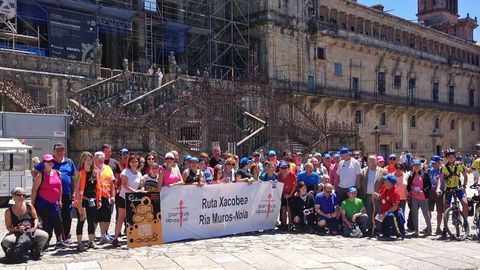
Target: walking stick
column 373, row 215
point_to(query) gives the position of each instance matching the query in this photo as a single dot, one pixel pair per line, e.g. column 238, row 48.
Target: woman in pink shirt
column 169, row 176
column 47, row 199
column 401, row 184
column 419, row 187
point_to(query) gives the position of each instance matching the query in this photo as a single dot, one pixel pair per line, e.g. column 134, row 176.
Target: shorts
column 459, row 193
column 286, row 202
column 120, row 202
column 332, row 223
column 104, row 214
column 435, row 202
column 476, row 175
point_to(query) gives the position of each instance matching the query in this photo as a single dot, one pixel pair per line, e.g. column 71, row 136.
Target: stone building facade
column 406, row 85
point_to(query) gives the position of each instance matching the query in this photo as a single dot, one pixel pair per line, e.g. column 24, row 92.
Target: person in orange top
column 106, row 177
column 87, row 198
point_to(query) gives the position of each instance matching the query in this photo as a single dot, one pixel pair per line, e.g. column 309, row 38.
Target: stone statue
column 125, row 65
column 97, row 52
column 172, row 63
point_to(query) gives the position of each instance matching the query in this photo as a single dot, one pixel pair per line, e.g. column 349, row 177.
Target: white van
column 15, row 167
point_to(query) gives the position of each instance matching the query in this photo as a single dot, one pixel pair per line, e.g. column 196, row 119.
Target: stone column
column 460, row 134
column 405, row 143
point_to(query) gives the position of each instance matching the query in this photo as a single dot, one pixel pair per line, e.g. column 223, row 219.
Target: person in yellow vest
column 87, row 198
column 107, row 190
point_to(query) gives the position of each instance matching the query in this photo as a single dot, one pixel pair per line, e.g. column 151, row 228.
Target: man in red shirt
column 288, row 179
column 390, row 216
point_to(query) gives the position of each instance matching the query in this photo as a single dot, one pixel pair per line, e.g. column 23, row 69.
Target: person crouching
column 354, row 215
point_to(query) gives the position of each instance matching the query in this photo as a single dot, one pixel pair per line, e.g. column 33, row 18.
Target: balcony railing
column 371, row 96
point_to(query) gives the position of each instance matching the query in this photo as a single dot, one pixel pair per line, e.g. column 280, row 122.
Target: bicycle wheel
column 458, row 227
column 476, row 221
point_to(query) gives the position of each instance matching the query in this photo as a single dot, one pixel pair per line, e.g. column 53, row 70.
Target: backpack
column 21, row 248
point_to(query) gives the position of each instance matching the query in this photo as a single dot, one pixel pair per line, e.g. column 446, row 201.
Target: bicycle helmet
column 477, row 145
column 450, row 151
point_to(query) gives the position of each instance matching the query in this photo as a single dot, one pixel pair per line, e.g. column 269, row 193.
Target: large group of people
column 340, row 192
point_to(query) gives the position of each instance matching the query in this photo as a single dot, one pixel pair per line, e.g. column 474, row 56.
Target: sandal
column 92, row 245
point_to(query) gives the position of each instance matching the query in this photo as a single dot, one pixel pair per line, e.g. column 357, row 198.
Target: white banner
column 191, row 212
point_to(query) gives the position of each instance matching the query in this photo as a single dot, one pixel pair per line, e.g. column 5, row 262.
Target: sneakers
column 105, row 240
column 109, row 236
column 62, row 244
column 115, row 242
column 68, row 241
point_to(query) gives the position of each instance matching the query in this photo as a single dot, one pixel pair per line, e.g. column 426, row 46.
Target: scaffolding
column 203, row 34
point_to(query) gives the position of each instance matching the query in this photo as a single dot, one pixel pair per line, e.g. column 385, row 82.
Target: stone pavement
column 269, row 251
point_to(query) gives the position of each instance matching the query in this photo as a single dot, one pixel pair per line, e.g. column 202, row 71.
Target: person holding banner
column 130, row 178
column 218, row 175
column 149, row 182
column 193, row 175
column 302, row 206
column 243, row 174
column 255, row 170
column 270, row 174
column 228, row 170
column 288, row 179
column 327, row 209
column 170, row 175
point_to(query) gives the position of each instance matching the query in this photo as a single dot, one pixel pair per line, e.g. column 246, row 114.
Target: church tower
column 443, row 15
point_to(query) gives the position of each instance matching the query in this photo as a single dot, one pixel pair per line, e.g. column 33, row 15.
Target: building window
column 435, row 92
column 338, row 69
column 434, row 3
column 358, row 117
column 413, row 146
column 411, row 88
column 437, row 123
column 381, row 83
column 451, row 93
column 413, row 121
column 472, row 127
column 452, row 124
column 397, row 81
column 383, row 119
column 321, row 53
column 471, row 98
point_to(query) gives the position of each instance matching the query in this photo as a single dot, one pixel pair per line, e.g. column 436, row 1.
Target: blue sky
column 407, row 9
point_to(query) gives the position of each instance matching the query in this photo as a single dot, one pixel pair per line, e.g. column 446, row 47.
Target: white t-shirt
column 132, row 179
column 348, row 171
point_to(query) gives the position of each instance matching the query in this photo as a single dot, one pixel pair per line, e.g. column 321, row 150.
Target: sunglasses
column 283, row 168
column 327, row 191
column 169, row 158
column 231, row 164
column 150, row 158
column 20, row 195
column 48, row 161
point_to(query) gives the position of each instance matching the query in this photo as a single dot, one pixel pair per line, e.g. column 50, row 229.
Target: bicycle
column 476, row 207
column 459, row 220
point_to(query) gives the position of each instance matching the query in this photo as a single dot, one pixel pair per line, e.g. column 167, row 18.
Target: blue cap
column 434, row 159
column 122, row 151
column 244, row 161
column 327, row 156
column 336, row 155
column 187, row 158
column 390, row 178
column 255, row 154
column 194, row 159
column 283, row 163
column 352, row 189
column 392, row 156
column 344, row 150
column 272, row 153
column 416, row 162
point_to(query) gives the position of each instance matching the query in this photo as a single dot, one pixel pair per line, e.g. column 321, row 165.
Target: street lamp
column 376, row 133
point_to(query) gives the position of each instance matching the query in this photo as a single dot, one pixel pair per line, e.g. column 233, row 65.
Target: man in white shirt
column 348, row 174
